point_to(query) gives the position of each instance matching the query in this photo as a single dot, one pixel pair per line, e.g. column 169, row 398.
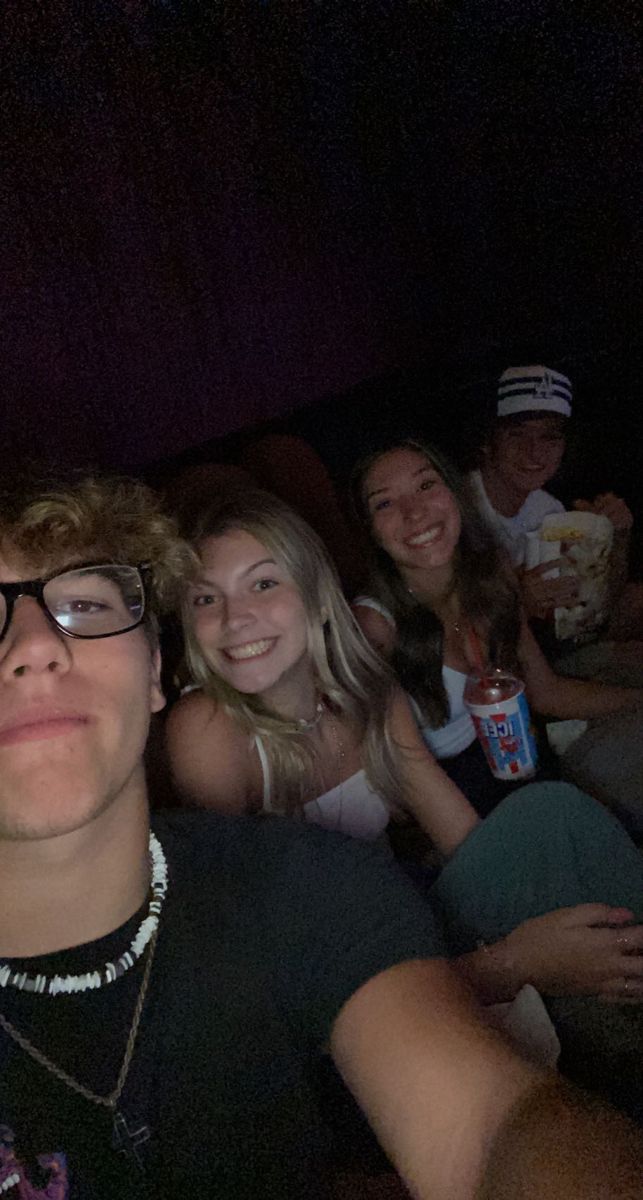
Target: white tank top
column 459, row 732
column 352, row 807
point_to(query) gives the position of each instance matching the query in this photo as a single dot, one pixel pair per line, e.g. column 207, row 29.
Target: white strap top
column 352, row 807
column 459, row 732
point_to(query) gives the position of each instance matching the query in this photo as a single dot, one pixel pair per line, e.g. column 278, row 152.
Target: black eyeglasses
column 91, row 601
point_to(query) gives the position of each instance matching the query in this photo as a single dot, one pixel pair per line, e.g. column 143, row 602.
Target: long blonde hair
column 353, row 681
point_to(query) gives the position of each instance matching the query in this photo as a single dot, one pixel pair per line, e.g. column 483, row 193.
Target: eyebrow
column 75, row 563
column 205, row 582
column 420, row 471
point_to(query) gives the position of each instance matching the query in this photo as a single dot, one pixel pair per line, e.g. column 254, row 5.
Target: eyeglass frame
column 35, row 588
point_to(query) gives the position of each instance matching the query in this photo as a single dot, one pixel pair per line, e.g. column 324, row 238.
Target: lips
column 532, row 477
column 249, row 650
column 39, row 724
column 426, row 537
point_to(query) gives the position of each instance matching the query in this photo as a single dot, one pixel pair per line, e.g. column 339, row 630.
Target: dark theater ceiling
column 216, row 213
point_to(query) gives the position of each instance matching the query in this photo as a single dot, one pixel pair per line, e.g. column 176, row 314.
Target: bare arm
column 563, row 1144
column 548, row 692
column 376, row 629
column 437, row 804
column 585, row 950
column 442, row 1091
column 557, row 696
column 209, row 755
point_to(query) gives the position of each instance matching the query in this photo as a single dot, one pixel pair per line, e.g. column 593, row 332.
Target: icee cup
column 498, row 706
column 584, row 541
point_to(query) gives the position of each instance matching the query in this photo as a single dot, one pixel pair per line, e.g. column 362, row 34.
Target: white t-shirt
column 512, row 531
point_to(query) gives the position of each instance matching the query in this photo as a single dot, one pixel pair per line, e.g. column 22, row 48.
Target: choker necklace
column 148, row 928
column 306, row 726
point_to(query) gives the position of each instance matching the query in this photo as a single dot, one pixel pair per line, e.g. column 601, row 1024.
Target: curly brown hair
column 115, row 519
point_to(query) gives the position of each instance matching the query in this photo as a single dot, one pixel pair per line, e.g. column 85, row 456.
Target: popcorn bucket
column 584, row 541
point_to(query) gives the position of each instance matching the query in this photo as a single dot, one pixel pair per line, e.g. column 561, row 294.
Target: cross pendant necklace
column 128, row 1141
column 124, row 1140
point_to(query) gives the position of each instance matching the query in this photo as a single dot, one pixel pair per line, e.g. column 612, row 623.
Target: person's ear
column 157, row 698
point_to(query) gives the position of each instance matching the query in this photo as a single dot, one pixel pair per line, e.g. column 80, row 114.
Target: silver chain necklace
column 125, row 1140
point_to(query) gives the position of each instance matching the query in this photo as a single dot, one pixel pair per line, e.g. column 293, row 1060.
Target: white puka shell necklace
column 68, row 984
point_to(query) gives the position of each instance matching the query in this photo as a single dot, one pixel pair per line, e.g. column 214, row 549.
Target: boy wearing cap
column 521, row 454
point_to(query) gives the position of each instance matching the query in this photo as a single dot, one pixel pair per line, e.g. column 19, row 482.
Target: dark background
column 343, row 217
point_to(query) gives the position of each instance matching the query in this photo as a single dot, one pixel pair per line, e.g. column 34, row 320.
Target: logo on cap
column 544, row 389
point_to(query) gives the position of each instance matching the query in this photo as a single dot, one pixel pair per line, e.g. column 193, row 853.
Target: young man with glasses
column 163, row 996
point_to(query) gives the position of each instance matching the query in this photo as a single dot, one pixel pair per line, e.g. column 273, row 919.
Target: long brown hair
column 482, row 581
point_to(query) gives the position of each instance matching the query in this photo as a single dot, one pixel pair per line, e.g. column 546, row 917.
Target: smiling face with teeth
column 414, row 516
column 248, row 615
column 523, row 453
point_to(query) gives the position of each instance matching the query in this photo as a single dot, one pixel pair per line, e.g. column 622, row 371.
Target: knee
column 545, row 805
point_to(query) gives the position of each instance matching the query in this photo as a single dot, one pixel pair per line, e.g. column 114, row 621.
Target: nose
column 412, row 505
column 32, row 645
column 238, row 613
column 535, row 449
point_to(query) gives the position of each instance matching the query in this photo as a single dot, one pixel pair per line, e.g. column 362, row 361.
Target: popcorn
column 584, row 542
column 563, row 533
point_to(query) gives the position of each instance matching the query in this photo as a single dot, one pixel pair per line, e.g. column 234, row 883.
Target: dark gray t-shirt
column 269, row 927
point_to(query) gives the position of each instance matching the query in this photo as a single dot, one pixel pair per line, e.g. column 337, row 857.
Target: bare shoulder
column 209, row 754
column 401, row 719
column 376, row 628
column 400, row 706
column 194, row 712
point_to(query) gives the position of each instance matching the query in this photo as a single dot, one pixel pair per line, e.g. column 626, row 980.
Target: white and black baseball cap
column 533, row 389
